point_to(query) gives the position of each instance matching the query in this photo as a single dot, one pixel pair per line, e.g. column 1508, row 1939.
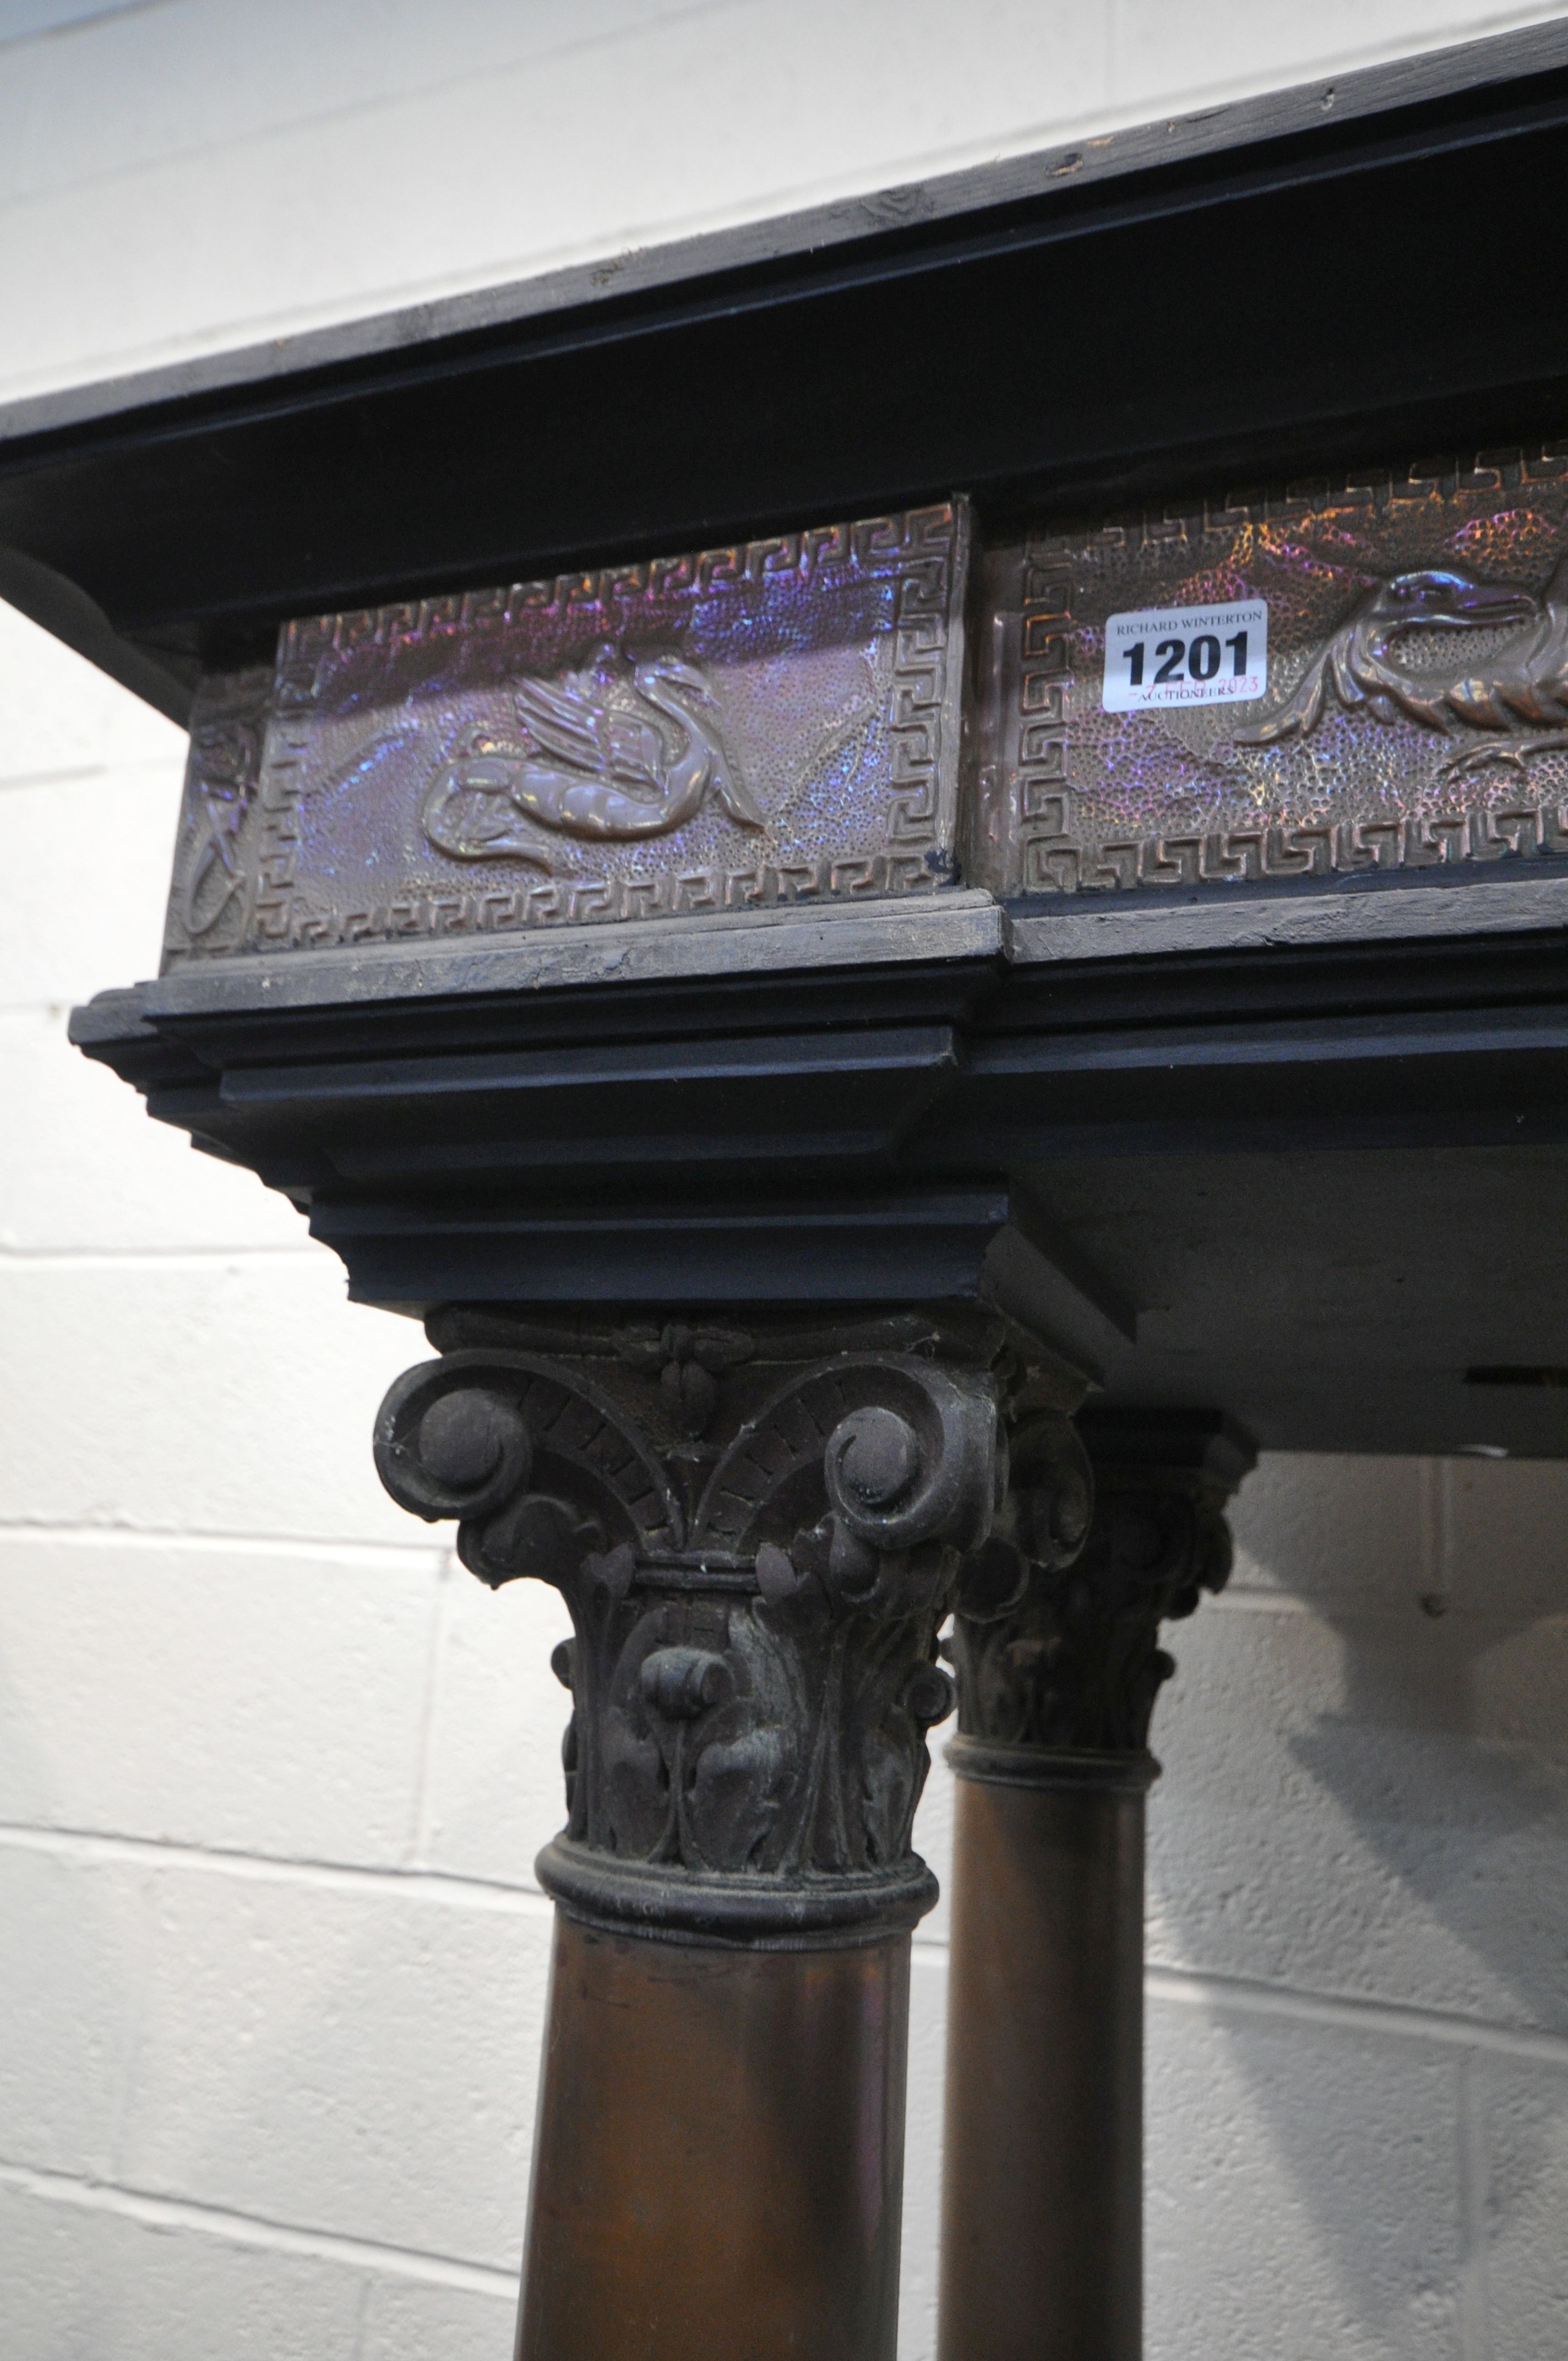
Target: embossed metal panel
column 728, row 729
column 1415, row 708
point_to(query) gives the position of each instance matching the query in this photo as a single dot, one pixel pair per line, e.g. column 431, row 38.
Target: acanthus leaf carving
column 756, row 1571
column 1071, row 1661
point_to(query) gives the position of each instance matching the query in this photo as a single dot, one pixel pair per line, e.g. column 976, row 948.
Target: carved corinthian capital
column 1073, row 1665
column 758, row 1527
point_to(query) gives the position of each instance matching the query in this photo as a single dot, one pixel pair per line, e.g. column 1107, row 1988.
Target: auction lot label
column 1186, row 655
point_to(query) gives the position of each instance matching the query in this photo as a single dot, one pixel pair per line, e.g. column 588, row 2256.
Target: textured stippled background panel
column 1417, row 705
column 731, row 729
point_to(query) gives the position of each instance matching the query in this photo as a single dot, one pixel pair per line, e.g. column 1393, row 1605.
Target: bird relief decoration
column 728, row 731
column 1495, row 678
column 616, row 751
column 1370, row 676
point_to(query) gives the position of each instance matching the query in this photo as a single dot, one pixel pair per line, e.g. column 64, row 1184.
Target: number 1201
column 1203, row 659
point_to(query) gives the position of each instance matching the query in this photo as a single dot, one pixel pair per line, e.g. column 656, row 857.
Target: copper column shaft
column 1042, row 2237
column 1042, row 2225
column 719, row 2155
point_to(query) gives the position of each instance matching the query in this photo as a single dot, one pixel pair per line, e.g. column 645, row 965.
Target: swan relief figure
column 611, row 753
column 1517, row 692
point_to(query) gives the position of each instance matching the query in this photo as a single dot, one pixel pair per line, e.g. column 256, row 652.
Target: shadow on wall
column 1366, row 1800
column 1449, row 1750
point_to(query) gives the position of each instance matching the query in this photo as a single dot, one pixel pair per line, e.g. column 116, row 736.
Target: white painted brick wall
column 189, row 174
column 272, row 1773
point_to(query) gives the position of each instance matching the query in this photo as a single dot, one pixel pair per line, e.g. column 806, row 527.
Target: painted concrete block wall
column 177, row 176
column 272, row 1772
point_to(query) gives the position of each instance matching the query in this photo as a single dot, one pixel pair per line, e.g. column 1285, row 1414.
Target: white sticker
column 1186, row 655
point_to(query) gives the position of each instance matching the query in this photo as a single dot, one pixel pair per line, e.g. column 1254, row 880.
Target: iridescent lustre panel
column 1368, row 673
column 737, row 728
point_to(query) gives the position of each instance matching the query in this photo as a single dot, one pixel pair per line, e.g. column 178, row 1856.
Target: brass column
column 1041, row 2213
column 758, row 1523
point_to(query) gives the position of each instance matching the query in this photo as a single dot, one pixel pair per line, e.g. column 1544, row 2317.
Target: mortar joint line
column 446, row 1887
column 255, row 2229
column 418, row 1852
column 1473, row 2289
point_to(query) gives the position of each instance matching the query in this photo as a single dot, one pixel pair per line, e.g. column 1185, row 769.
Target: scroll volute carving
column 1074, row 1663
column 757, row 1540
